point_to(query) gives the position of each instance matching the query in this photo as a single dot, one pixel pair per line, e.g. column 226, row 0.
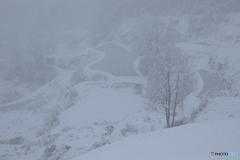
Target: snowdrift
column 193, row 141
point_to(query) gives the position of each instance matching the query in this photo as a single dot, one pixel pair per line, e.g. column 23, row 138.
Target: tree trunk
column 167, row 117
column 168, row 99
column 175, row 102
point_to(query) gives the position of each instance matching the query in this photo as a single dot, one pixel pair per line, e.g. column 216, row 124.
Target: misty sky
column 25, row 21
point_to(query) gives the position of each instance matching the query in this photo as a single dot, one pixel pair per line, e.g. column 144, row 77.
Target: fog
column 36, row 27
column 27, row 20
column 76, row 75
column 23, row 21
column 31, row 27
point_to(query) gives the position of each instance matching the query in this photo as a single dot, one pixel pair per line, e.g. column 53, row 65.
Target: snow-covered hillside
column 193, row 141
column 93, row 109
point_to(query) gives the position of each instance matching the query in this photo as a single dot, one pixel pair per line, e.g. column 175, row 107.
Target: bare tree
column 171, row 78
column 170, row 82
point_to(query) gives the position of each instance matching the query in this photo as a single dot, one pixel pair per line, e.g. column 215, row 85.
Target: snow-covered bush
column 199, row 109
column 51, row 120
column 48, row 152
column 66, row 99
column 129, row 130
column 73, row 93
column 228, row 72
column 100, row 143
column 16, row 141
column 181, row 121
column 97, row 76
column 78, row 76
column 54, row 152
column 109, row 130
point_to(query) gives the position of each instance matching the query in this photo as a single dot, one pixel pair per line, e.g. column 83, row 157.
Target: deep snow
column 192, row 141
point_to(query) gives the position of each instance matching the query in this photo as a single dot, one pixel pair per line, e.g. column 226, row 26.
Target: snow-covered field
column 100, row 116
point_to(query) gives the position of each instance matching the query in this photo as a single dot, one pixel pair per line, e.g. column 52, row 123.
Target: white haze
column 75, row 79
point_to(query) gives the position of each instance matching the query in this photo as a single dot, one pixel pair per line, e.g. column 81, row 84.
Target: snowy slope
column 192, row 141
column 220, row 108
column 59, row 108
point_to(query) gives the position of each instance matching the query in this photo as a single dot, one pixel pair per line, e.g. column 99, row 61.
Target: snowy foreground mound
column 193, row 141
